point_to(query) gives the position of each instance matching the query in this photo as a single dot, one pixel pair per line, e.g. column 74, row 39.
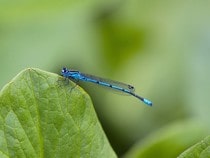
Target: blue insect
column 119, row 86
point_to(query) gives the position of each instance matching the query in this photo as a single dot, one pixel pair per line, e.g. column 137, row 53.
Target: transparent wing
column 109, row 83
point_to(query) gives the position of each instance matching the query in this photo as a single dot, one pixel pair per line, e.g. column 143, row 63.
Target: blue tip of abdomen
column 148, row 102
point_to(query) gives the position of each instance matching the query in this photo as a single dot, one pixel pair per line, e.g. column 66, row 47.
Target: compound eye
column 64, row 70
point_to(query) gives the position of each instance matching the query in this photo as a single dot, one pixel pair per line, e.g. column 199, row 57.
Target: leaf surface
column 42, row 115
column 199, row 150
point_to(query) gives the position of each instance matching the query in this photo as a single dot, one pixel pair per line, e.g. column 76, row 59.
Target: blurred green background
column 160, row 47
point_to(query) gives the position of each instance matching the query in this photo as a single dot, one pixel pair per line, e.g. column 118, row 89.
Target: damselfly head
column 64, row 70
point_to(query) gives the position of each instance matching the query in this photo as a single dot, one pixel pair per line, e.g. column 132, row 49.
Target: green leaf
column 199, row 150
column 42, row 116
column 169, row 141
